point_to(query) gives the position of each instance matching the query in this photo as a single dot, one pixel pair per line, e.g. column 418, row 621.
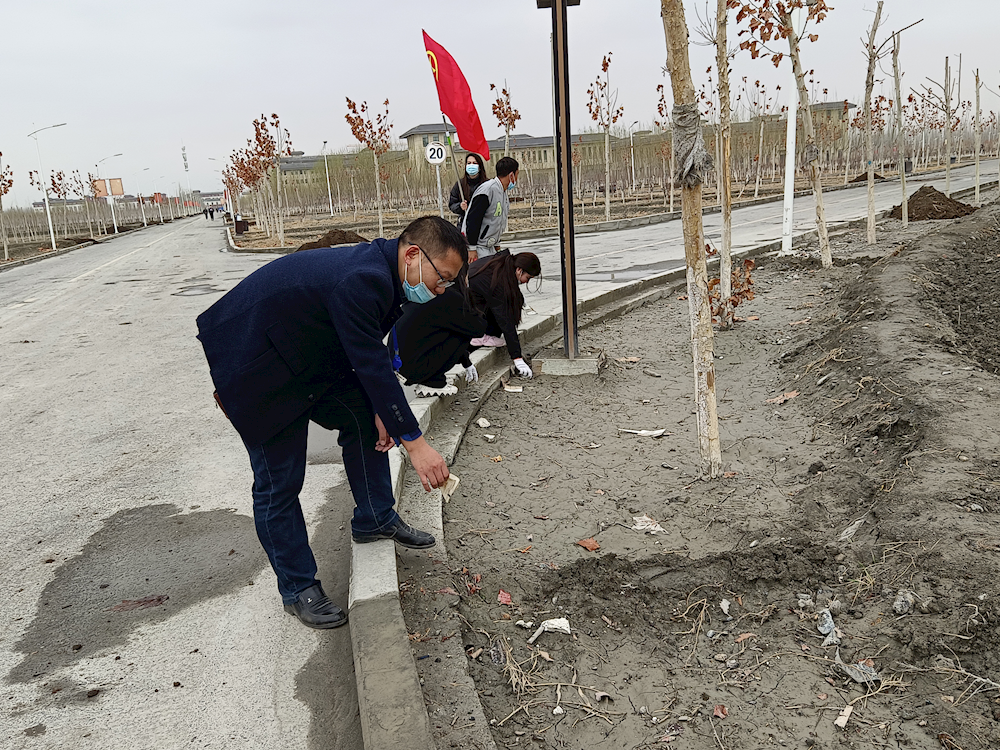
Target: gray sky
column 146, row 78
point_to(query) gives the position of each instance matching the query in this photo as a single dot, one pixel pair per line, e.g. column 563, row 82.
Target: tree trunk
column 978, row 138
column 607, row 174
column 901, row 135
column 699, row 307
column 3, row 230
column 810, row 133
column 726, row 184
column 378, row 194
column 869, row 135
column 947, row 128
column 760, row 160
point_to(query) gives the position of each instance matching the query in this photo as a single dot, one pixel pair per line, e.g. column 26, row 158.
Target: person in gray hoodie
column 486, row 217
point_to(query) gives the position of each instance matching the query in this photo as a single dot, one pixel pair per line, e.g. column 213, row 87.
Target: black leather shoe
column 401, row 533
column 315, row 610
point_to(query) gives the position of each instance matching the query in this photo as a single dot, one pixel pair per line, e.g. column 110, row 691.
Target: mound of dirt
column 928, row 203
column 863, row 177
column 334, row 237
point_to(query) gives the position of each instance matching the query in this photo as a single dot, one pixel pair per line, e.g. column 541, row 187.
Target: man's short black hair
column 436, row 237
column 507, row 165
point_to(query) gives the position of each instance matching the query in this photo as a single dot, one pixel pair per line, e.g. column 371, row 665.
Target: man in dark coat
column 300, row 339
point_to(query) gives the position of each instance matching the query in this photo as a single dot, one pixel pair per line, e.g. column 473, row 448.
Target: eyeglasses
column 442, row 281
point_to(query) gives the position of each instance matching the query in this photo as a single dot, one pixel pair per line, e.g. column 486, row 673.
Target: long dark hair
column 502, row 268
column 469, row 186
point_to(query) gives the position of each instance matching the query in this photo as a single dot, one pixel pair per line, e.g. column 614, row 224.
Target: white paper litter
column 647, row 525
column 847, row 534
column 483, row 422
column 724, row 605
column 645, row 433
column 556, row 625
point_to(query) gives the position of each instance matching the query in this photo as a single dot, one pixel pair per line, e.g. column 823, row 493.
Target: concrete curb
column 4, row 266
column 234, row 248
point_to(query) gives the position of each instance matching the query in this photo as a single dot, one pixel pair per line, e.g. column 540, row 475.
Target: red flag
column 456, row 98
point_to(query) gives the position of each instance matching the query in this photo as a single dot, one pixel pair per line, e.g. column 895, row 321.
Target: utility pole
column 329, row 193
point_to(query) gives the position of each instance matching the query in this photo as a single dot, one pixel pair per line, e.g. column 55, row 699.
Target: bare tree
column 942, row 103
column 506, row 115
column 374, row 135
column 771, row 20
column 605, row 112
column 6, row 183
column 873, row 57
column 693, row 161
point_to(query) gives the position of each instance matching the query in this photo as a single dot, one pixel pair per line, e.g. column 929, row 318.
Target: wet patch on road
column 196, row 286
column 149, row 554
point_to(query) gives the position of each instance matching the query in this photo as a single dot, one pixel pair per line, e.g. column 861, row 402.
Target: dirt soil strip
column 837, row 588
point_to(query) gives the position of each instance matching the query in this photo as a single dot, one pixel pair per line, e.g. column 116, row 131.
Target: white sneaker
column 426, row 391
column 488, row 341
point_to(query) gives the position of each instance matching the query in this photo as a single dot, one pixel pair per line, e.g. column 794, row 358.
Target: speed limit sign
column 435, row 153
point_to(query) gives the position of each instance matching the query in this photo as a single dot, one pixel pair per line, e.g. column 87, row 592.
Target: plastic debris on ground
column 555, row 625
column 483, row 422
column 859, row 672
column 827, row 627
column 647, row 525
column 646, row 433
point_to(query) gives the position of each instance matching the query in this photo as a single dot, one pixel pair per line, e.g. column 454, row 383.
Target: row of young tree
column 76, row 207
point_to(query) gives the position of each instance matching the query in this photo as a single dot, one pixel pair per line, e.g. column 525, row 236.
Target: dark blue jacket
column 295, row 327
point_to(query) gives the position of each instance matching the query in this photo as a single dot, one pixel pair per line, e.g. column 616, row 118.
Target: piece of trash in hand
column 645, row 433
column 589, row 544
column 504, row 597
column 647, row 525
column 449, row 487
column 782, row 398
column 505, row 382
column 555, row 625
column 483, row 422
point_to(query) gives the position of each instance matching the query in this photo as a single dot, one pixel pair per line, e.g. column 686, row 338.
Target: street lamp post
column 631, row 148
column 111, row 197
column 329, row 193
column 41, row 176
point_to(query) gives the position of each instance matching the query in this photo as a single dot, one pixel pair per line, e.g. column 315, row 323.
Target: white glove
column 522, row 368
column 471, row 374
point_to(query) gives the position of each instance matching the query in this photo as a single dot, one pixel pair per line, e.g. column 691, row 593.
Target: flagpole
column 451, row 147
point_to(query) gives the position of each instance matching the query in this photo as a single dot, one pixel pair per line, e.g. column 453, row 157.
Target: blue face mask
column 511, row 185
column 472, row 169
column 419, row 293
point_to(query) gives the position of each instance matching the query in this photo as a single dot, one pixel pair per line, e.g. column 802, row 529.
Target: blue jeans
column 279, row 469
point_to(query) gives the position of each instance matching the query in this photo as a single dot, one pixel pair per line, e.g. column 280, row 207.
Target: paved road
column 124, row 485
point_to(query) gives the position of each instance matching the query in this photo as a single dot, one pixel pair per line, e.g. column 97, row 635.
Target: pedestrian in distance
column 211, row 214
column 300, row 340
column 486, row 218
column 428, row 340
column 205, row 212
column 462, row 190
column 495, row 289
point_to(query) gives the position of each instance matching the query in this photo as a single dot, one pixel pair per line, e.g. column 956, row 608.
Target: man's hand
column 473, row 255
column 385, row 442
column 430, row 467
column 465, row 205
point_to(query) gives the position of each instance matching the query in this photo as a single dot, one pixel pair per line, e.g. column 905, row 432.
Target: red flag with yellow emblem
column 456, row 98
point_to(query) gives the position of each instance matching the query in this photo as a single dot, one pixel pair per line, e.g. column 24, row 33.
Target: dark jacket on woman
column 462, row 190
column 433, row 337
column 494, row 305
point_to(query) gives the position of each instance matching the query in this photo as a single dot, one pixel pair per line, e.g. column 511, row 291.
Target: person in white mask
column 462, row 190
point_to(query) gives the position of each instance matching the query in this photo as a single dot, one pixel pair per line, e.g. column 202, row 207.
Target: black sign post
column 564, row 170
